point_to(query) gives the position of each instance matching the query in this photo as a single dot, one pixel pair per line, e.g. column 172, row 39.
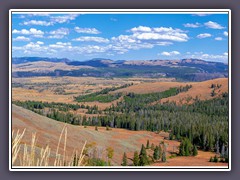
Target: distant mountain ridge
column 104, row 62
column 182, row 69
column 20, row 60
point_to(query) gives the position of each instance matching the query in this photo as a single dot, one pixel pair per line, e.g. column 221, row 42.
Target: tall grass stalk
column 25, row 155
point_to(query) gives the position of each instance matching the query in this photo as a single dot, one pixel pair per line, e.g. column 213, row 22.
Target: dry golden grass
column 202, row 90
column 150, row 87
column 43, row 88
column 30, row 156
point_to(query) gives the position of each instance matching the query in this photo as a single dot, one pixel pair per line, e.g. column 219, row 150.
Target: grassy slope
column 121, row 140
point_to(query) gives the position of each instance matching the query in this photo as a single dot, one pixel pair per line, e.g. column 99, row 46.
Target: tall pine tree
column 136, row 159
column 124, row 159
column 143, row 158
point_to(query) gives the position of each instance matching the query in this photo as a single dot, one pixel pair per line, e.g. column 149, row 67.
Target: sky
column 121, row 36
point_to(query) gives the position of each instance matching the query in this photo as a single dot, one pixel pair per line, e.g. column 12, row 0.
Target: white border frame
column 118, row 11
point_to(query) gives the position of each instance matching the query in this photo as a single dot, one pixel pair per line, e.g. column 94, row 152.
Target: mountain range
column 182, row 69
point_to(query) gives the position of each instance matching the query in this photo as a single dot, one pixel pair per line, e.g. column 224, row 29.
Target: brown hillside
column 43, row 66
column 120, row 140
column 202, row 90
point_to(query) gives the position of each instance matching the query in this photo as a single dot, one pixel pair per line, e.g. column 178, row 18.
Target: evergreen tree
column 164, row 158
column 143, row 159
column 124, row 159
column 147, row 146
column 215, row 159
column 160, row 151
column 135, row 159
column 156, row 155
column 222, row 151
column 195, row 151
column 186, row 147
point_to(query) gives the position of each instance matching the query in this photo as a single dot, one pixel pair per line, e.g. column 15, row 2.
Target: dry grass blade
column 16, row 144
column 30, row 157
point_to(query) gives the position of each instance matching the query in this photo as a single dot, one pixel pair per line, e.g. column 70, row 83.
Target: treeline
column 31, row 105
column 135, row 102
column 102, row 96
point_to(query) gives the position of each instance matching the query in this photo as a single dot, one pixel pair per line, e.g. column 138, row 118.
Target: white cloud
column 213, row 25
column 87, row 30
column 91, row 38
column 225, row 33
column 141, row 29
column 32, row 48
column 61, row 45
column 51, row 20
column 21, row 38
column 63, row 18
column 190, row 25
column 40, row 14
column 147, row 37
column 172, row 53
column 218, row 38
column 209, row 57
column 139, row 38
column 59, row 33
column 32, row 31
column 40, row 23
column 200, row 14
column 204, row 35
column 64, row 44
column 159, row 36
column 40, row 42
column 62, row 31
column 164, row 43
column 56, row 36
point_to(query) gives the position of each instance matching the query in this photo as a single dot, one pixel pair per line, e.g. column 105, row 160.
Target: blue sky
column 121, row 36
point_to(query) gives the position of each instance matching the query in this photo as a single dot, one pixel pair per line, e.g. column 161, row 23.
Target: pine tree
column 160, row 151
column 164, row 158
column 156, row 155
column 195, row 151
column 182, row 149
column 135, row 159
column 124, row 159
column 222, row 151
column 215, row 159
column 143, row 159
column 147, row 146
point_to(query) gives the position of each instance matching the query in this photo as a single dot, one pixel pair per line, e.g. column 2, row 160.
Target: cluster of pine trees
column 102, row 96
column 187, row 148
column 142, row 158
